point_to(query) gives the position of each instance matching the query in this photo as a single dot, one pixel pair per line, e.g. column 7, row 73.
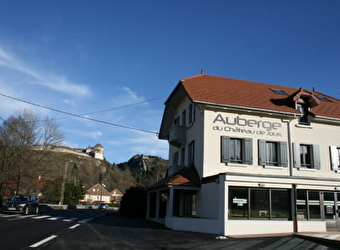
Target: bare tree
column 24, row 142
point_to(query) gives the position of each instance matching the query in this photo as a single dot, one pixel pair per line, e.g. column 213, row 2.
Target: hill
column 139, row 170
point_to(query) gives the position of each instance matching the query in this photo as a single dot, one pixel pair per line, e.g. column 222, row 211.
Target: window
column 191, row 153
column 323, row 98
column 238, row 203
column 176, row 121
column 175, row 159
column 306, row 156
column 182, row 156
column 329, row 205
column 303, row 119
column 314, row 205
column 236, row 150
column 279, row 91
column 185, row 203
column 191, row 113
column 301, row 204
column 308, row 204
column 250, row 203
column 280, row 204
column 259, row 203
column 273, row 153
column 184, row 117
column 335, row 157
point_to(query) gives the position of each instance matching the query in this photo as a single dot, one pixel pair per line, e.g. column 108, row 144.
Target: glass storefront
column 259, row 203
column 274, row 204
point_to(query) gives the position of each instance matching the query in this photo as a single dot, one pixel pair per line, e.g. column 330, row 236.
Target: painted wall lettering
column 269, row 126
column 247, row 126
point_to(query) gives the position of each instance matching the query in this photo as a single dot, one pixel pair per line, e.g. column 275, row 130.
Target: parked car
column 103, row 206
column 24, row 204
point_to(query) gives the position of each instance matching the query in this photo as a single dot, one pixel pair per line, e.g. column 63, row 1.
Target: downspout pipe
column 293, row 193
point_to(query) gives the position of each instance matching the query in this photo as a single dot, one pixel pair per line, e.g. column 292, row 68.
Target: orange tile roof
column 187, row 176
column 97, row 190
column 240, row 93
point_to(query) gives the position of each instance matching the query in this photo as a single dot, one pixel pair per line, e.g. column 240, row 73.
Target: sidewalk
column 327, row 237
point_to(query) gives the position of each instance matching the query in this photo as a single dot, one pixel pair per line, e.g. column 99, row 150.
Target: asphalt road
column 95, row 229
column 114, row 232
column 19, row 231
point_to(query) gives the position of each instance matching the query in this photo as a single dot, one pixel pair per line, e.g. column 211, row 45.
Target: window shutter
column 248, row 151
column 316, row 157
column 283, row 160
column 334, row 157
column 296, row 148
column 225, row 140
column 262, row 152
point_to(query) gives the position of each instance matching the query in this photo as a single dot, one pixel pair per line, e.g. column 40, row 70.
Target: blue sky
column 117, row 61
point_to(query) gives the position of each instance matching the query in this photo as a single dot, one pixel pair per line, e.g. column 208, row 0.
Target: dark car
column 103, row 206
column 24, row 204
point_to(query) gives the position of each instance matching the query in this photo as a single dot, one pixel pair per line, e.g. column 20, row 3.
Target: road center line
column 39, row 243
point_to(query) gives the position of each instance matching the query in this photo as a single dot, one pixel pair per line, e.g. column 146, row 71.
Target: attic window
column 323, row 98
column 279, row 91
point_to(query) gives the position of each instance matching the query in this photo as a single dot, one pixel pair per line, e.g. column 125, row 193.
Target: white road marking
column 70, row 219
column 55, row 218
column 9, row 215
column 41, row 217
column 39, row 243
column 74, row 226
column 85, row 220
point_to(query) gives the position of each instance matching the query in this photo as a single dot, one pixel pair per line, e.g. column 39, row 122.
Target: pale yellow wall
column 276, row 129
column 324, row 135
column 214, row 131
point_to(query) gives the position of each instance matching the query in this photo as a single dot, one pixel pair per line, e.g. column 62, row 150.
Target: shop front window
column 259, row 203
column 301, row 204
column 238, row 203
column 314, row 204
column 280, row 204
column 329, row 205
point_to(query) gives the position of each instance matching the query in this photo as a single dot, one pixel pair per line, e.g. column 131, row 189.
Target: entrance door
column 331, row 207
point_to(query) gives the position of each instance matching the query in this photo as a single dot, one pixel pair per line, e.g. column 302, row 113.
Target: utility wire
column 124, row 106
column 80, row 116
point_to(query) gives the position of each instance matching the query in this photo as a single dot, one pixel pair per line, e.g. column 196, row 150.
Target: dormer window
column 303, row 101
column 303, row 108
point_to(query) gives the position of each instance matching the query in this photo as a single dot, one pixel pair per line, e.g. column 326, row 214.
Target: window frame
column 246, row 150
column 335, row 157
column 304, row 118
column 191, row 153
column 247, row 206
column 192, row 109
column 281, row 154
column 314, row 152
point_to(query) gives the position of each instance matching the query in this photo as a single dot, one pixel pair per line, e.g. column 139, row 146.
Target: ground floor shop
column 229, row 204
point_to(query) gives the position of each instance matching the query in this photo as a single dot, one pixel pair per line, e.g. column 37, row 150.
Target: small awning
column 187, row 176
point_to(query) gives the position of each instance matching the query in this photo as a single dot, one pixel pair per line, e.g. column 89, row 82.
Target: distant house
column 116, row 196
column 97, row 194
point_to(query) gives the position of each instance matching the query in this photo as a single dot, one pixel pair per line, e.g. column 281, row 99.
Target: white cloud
column 95, row 134
column 48, row 80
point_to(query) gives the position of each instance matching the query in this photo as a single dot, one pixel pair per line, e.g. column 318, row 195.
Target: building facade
column 248, row 158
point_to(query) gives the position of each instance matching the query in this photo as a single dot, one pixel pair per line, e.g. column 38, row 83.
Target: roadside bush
column 133, row 204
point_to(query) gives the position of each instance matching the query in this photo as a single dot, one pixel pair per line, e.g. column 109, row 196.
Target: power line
column 81, row 116
column 124, row 106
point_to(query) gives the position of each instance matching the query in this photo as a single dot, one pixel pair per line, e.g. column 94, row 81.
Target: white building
column 248, row 158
